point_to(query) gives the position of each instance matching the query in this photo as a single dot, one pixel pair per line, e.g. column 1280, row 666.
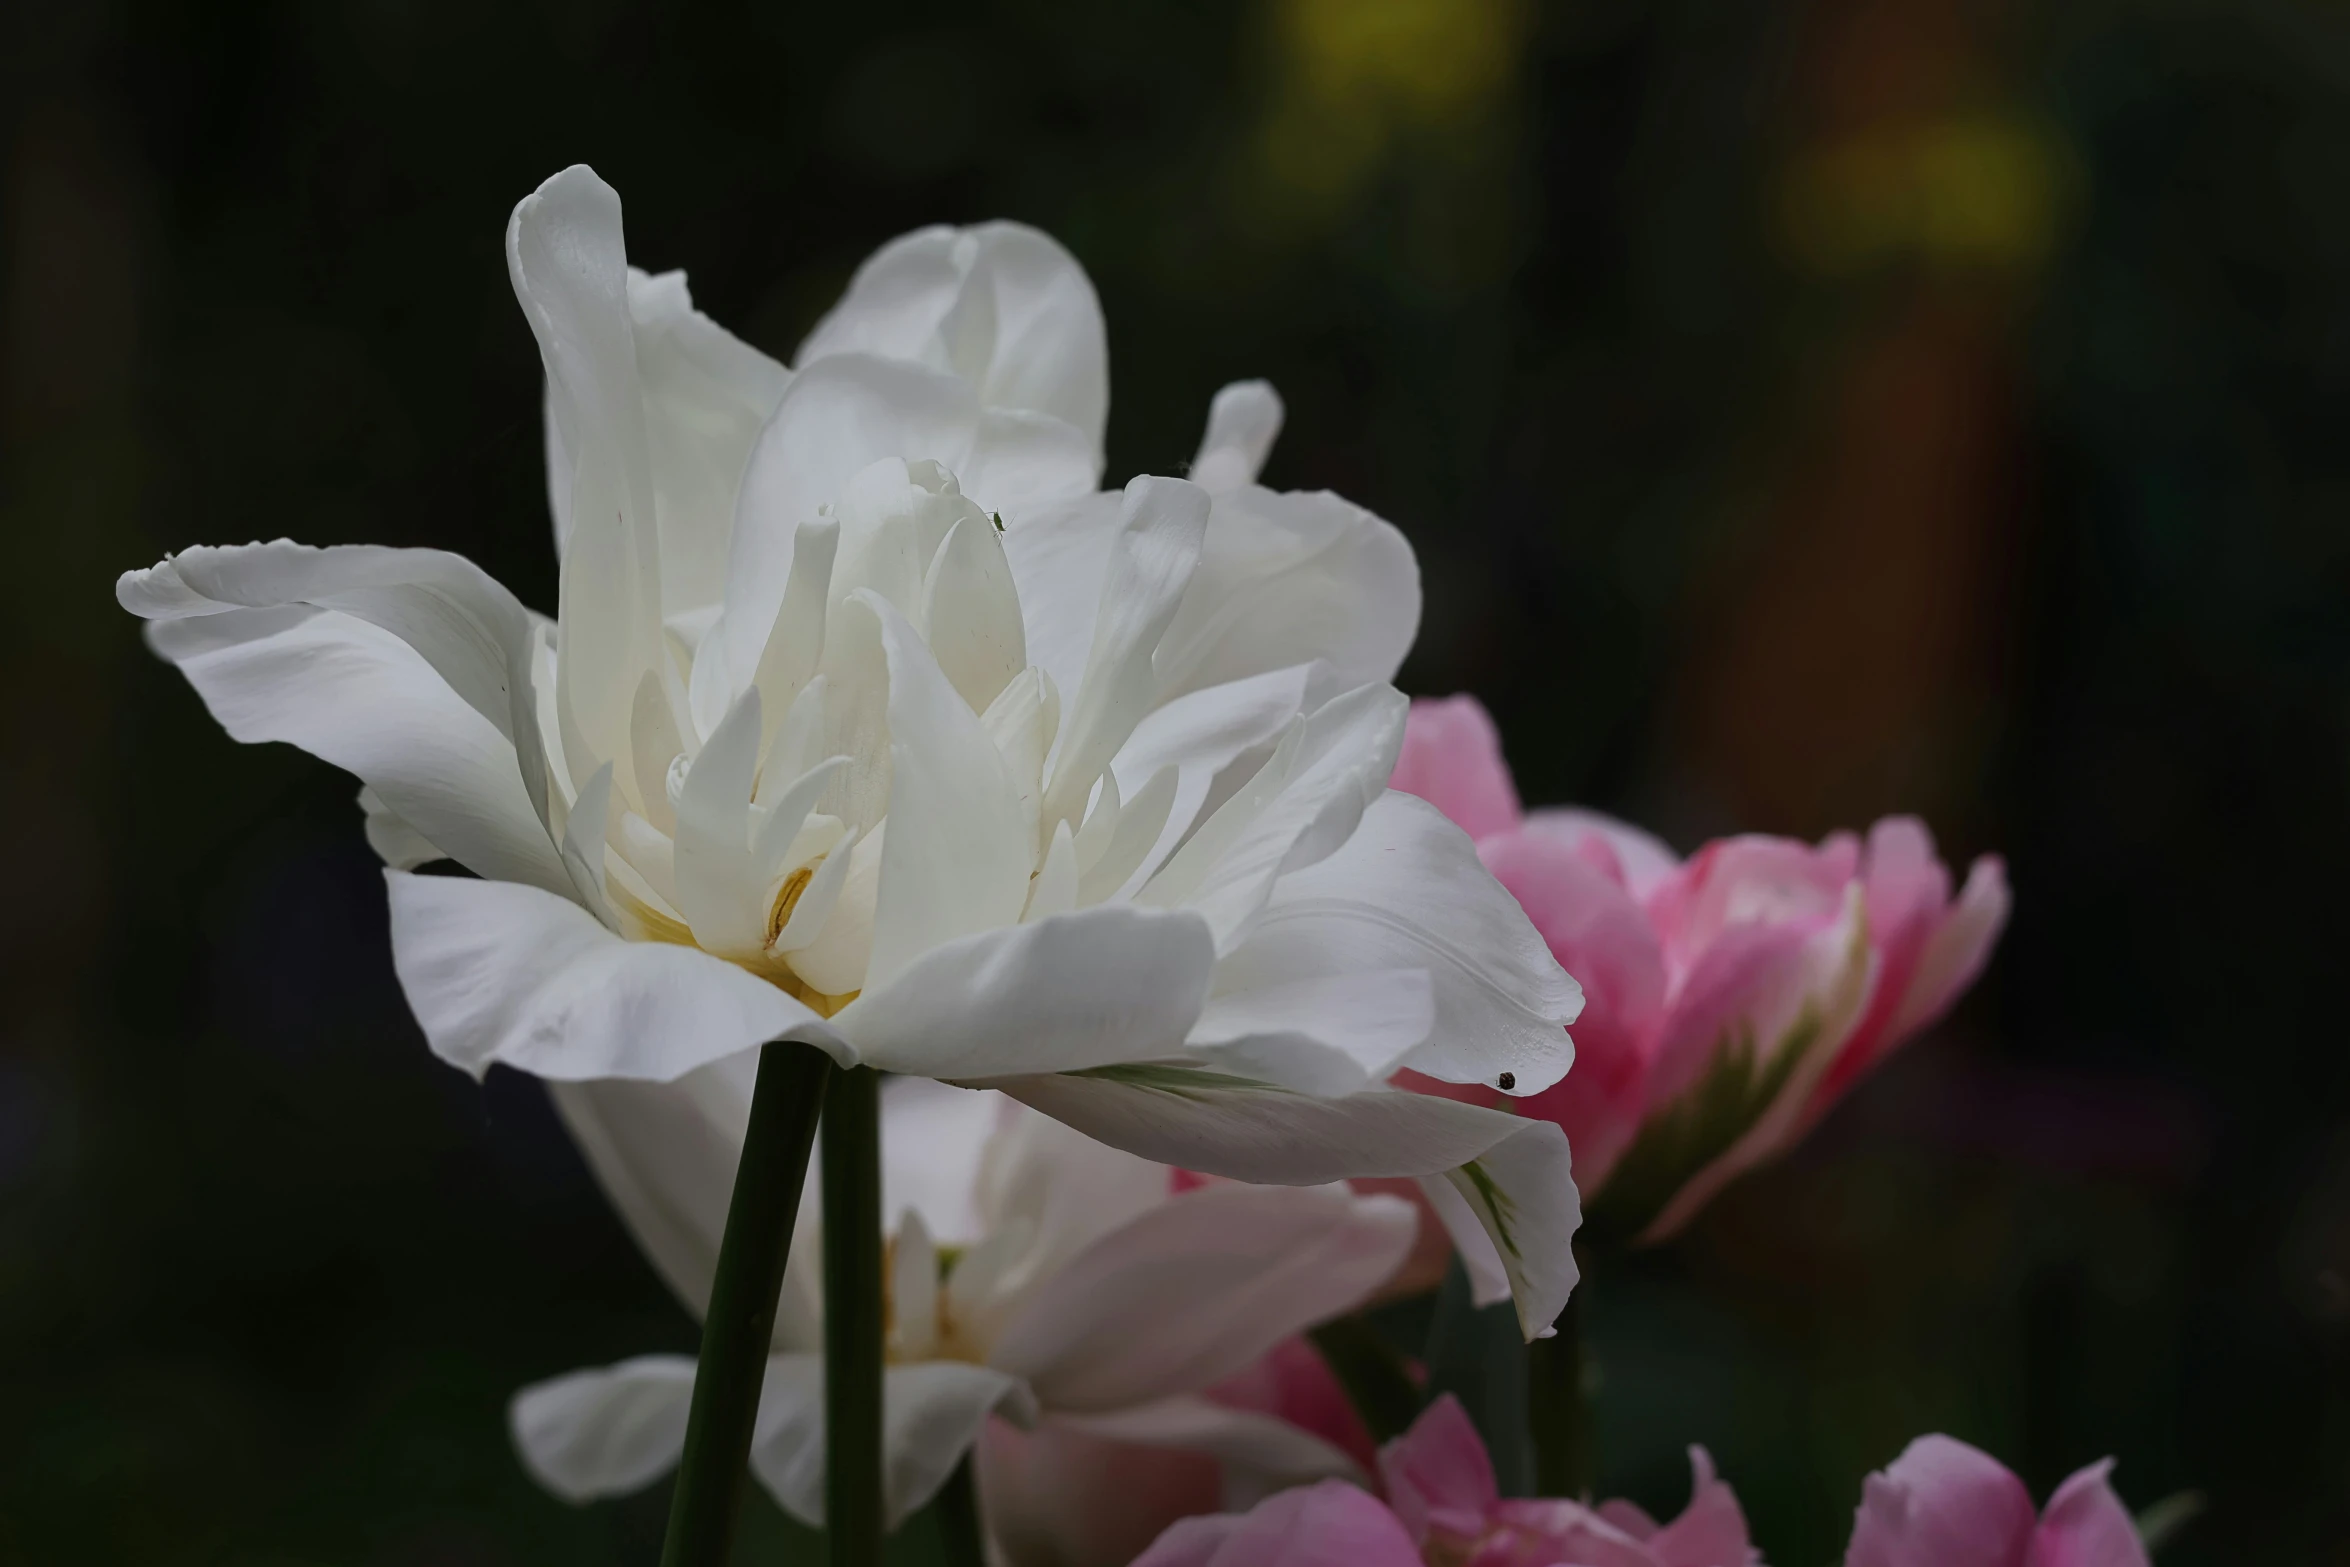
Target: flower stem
column 853, row 1324
column 1558, row 1407
column 736, row 1330
column 962, row 1540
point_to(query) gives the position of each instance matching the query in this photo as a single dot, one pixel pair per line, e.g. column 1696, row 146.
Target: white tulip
column 1034, row 1274
column 866, row 720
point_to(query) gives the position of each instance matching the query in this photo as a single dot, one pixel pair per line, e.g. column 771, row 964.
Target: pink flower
column 1729, row 999
column 1945, row 1504
column 1444, row 1507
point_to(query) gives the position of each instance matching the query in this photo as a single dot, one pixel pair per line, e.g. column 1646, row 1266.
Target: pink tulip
column 1945, row 1504
column 1443, row 1506
column 1730, row 999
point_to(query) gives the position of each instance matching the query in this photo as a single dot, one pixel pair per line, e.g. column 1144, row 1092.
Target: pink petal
column 1909, row 894
column 1602, row 937
column 1327, row 1525
column 1750, row 880
column 1941, row 1504
column 1452, row 759
column 2086, row 1525
column 1959, row 947
column 1556, row 1534
column 1637, row 858
column 1437, row 1474
column 1711, row 1531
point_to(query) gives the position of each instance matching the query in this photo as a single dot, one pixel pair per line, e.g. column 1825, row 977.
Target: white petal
column 1157, row 547
column 1054, row 890
column 719, row 886
column 397, row 844
column 1272, row 1451
column 811, row 916
column 958, row 857
column 843, row 414
column 473, row 633
column 779, row 830
column 654, row 743
column 796, row 641
column 1489, row 1280
column 1408, row 891
column 1220, row 1125
column 1243, row 422
column 1086, row 989
column 355, row 695
column 1042, row 345
column 913, row 1295
column 1522, row 1193
column 1141, row 823
column 1196, row 1288
column 1059, row 555
column 567, row 259
column 665, row 1155
column 1299, row 808
column 1326, row 1036
column 933, row 1136
column 931, row 1414
column 584, row 836
column 605, row 1432
column 971, row 613
column 497, row 972
column 706, row 396
column 1290, row 578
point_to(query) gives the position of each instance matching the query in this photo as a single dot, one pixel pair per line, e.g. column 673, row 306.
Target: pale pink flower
column 1443, row 1506
column 1729, row 998
column 1945, row 1504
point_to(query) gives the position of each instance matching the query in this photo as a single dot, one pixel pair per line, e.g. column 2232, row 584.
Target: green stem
column 960, row 1534
column 1558, row 1407
column 741, row 1320
column 853, row 1323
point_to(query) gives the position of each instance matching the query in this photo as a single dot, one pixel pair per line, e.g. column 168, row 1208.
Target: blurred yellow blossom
column 1982, row 191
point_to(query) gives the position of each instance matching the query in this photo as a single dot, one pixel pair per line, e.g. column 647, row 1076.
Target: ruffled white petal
column 1326, row 1036
column 1220, row 1125
column 1408, row 891
column 353, row 694
column 1001, row 305
column 501, row 973
column 1091, row 988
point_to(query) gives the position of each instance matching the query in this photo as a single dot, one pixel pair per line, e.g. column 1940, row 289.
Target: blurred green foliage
column 1802, row 411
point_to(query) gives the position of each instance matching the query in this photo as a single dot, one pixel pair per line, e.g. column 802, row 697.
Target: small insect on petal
column 1506, row 1082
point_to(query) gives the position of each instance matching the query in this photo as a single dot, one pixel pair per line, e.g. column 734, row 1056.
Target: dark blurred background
column 1803, row 411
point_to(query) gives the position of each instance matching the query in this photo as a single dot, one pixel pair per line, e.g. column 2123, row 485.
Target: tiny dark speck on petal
column 1507, row 1081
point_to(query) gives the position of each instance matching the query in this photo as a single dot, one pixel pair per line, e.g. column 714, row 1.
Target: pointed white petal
column 1085, row 989
column 1408, row 891
column 1141, row 823
column 719, row 886
column 1157, row 547
column 605, row 1432
column 497, row 972
column 654, row 743
column 1522, row 1193
column 1054, row 890
column 1243, row 422
column 583, row 845
column 957, row 861
column 796, row 641
column 913, row 1294
column 971, row 613
column 1196, row 1288
column 779, row 830
column 353, row 694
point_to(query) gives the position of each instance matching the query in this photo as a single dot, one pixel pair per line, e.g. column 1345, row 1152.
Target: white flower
column 865, row 720
column 1034, row 1274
